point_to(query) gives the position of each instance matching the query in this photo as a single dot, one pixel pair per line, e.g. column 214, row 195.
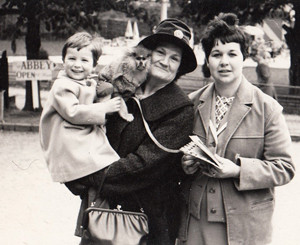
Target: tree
column 63, row 17
column 198, row 12
column 28, row 15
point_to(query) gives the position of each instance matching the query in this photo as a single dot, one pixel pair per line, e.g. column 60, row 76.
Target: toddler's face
column 78, row 63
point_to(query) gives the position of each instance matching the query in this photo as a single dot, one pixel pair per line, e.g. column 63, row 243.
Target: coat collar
column 63, row 75
column 164, row 101
column 239, row 109
column 244, row 92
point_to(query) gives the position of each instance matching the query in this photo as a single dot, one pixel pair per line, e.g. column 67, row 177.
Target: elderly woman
column 145, row 171
column 246, row 131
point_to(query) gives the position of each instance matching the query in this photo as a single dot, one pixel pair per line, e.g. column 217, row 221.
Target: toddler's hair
column 81, row 40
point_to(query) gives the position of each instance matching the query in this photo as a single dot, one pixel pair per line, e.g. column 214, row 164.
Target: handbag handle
column 150, row 133
column 101, row 185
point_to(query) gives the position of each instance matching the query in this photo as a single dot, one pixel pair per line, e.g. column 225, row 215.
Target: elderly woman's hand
column 229, row 170
column 191, row 164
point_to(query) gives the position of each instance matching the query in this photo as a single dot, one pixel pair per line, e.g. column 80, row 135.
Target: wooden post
column 35, row 95
column 4, row 78
column 2, row 106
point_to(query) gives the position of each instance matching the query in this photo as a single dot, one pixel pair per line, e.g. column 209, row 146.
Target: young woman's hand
column 229, row 170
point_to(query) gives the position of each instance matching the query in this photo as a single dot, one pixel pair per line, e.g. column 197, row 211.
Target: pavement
column 34, row 209
column 37, row 211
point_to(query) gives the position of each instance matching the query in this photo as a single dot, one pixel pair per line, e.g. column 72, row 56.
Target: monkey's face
column 141, row 63
column 141, row 56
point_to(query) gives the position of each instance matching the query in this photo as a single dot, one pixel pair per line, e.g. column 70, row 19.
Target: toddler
column 72, row 131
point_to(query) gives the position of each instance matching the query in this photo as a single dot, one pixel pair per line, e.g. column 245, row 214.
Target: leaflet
column 199, row 150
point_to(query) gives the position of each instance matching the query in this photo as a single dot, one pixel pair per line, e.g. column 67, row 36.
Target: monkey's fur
column 126, row 75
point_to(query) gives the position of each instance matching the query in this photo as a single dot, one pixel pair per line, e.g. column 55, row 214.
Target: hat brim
column 188, row 61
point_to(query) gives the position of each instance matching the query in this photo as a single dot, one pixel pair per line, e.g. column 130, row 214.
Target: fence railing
column 288, row 96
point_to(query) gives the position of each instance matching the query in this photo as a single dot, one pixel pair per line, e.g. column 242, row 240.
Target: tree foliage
column 63, row 17
column 66, row 17
column 199, row 12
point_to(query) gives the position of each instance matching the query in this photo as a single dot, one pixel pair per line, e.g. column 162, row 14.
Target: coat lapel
column 164, row 101
column 204, row 106
column 239, row 109
column 156, row 106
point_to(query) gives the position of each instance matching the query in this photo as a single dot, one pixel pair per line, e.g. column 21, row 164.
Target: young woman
column 246, row 131
column 145, row 175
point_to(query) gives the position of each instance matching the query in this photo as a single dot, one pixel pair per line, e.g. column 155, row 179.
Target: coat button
column 212, row 190
column 213, row 211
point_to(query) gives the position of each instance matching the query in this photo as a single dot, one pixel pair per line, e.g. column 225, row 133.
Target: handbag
column 104, row 226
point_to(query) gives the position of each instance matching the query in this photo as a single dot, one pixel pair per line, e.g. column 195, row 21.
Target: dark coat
column 144, row 169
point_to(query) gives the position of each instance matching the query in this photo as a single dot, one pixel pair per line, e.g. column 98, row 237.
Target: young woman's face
column 165, row 61
column 226, row 62
column 79, row 63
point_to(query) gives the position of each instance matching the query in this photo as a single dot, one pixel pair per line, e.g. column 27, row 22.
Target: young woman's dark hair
column 224, row 27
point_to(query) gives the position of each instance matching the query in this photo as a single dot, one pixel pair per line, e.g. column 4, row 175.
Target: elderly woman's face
column 165, row 61
column 226, row 62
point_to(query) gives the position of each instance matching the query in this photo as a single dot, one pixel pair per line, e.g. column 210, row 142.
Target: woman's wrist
column 237, row 172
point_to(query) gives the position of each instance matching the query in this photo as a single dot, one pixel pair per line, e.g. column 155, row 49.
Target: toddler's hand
column 92, row 80
column 113, row 105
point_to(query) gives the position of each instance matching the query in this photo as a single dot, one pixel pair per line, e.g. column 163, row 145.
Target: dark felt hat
column 176, row 32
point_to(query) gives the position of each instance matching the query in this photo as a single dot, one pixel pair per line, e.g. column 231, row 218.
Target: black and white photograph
column 149, row 122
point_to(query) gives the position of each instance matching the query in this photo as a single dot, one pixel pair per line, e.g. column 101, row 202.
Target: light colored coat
column 72, row 132
column 258, row 139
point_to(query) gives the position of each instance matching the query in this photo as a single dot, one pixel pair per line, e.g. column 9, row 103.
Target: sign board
column 33, row 70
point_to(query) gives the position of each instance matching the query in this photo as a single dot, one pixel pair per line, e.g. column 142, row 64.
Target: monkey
column 126, row 75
